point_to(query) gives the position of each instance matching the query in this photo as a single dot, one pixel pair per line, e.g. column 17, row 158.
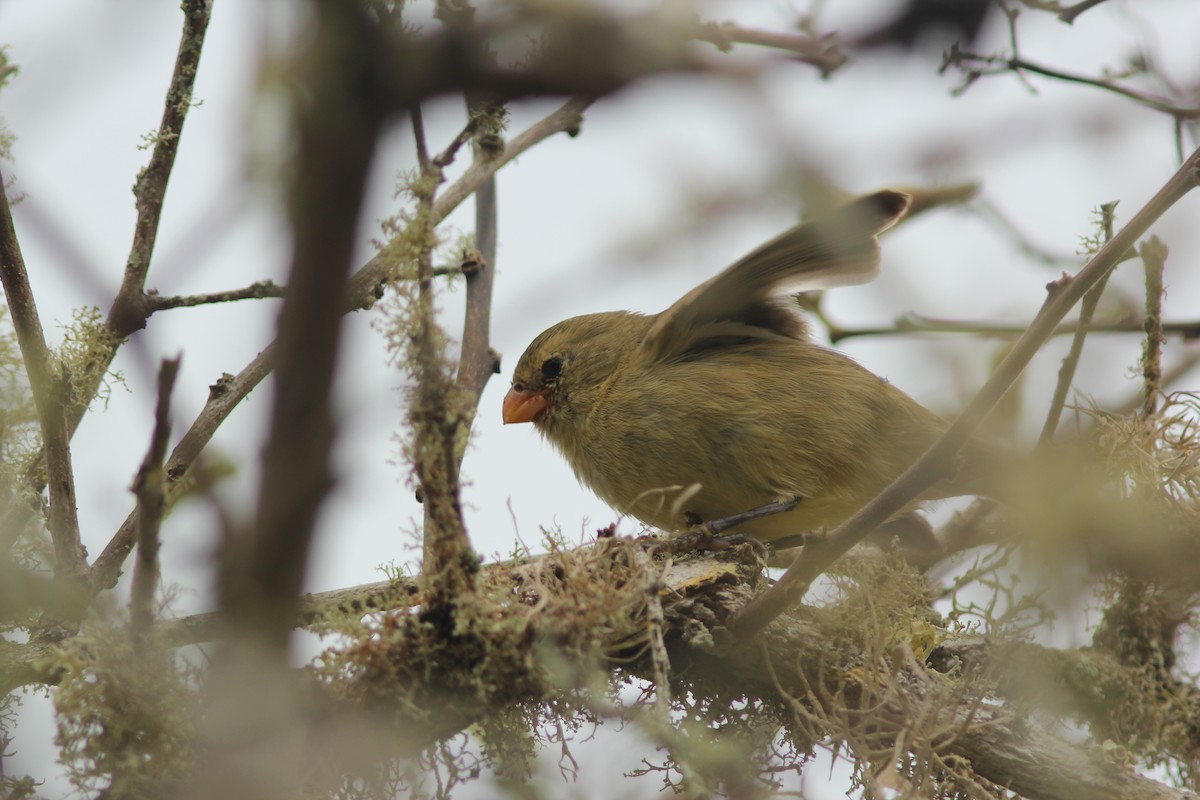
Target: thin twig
column 477, row 360
column 822, row 52
column 50, row 392
column 128, row 312
column 1065, row 14
column 1069, row 14
column 223, row 396
column 656, row 624
column 438, row 420
column 1185, row 365
column 1141, row 98
column 448, row 154
column 255, row 291
column 990, row 213
column 148, row 486
column 365, row 284
column 815, row 558
column 997, row 65
column 227, row 393
column 1087, row 309
column 1154, row 256
column 418, row 126
column 918, row 324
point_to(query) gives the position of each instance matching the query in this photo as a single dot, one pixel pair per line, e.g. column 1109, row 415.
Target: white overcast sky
column 575, row 216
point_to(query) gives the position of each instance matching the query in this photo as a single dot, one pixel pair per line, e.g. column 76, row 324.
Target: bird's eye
column 551, row 368
column 518, row 387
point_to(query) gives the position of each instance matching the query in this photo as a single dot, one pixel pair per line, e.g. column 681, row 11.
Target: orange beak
column 522, row 405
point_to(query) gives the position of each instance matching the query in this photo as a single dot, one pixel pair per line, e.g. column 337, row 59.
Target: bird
column 724, row 402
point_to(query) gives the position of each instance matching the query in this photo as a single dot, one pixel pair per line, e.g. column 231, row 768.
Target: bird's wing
column 836, row 249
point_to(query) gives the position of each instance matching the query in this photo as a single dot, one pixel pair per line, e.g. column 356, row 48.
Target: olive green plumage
column 724, row 389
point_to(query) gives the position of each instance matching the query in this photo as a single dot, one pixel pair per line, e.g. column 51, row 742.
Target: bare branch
column 478, row 361
column 255, row 291
column 366, row 284
column 338, row 125
column 976, row 66
column 439, row 420
column 822, row 52
column 1154, row 256
column 990, row 213
column 1069, row 13
column 129, row 310
column 225, row 394
column 223, row 397
column 920, row 324
column 50, row 392
column 1066, row 373
column 1066, row 14
column 148, row 486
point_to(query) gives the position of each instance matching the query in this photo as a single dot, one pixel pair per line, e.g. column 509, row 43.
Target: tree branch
column 1065, row 14
column 822, row 52
column 148, row 486
column 975, row 65
column 1188, row 330
column 697, row 596
column 366, row 285
column 223, row 397
column 437, row 417
column 129, row 310
column 50, row 394
column 1066, row 373
column 255, row 291
column 478, row 362
column 338, row 123
column 1154, row 258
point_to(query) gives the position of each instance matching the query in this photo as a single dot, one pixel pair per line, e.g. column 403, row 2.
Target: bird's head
column 560, row 373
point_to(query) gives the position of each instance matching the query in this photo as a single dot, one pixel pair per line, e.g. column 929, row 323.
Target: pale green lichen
column 126, row 721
